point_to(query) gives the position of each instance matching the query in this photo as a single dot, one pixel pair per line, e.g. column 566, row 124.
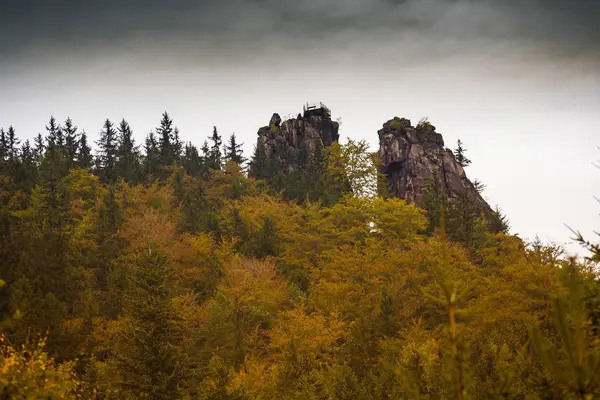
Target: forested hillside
column 170, row 271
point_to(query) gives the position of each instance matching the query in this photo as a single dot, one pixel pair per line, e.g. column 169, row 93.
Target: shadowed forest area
column 163, row 270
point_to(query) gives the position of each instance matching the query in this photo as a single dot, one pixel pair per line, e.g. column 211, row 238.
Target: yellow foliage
column 30, row 373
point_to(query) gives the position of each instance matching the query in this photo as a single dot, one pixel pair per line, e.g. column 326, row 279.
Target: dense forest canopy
column 161, row 270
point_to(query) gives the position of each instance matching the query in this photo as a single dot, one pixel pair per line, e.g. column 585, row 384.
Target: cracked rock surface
column 412, row 156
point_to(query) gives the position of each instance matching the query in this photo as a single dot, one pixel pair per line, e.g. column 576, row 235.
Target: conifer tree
column 177, row 145
column 39, row 148
column 9, row 151
column 152, row 158
column 165, row 134
column 259, row 164
column 434, row 196
column 459, row 154
column 71, row 138
column 27, row 168
column 233, row 151
column 499, row 222
column 84, row 157
column 191, row 161
column 214, row 156
column 55, row 136
column 573, row 365
column 127, row 165
column 147, row 345
column 317, row 167
column 13, row 142
column 3, row 147
column 107, row 155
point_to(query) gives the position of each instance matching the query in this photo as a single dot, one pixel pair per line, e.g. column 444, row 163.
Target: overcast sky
column 518, row 81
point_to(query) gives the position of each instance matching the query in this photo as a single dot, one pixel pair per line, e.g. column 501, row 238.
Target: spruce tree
column 3, row 147
column 39, row 148
column 13, row 142
column 459, row 154
column 55, row 136
column 165, row 137
column 177, row 145
column 434, row 196
column 191, row 161
column 259, row 164
column 316, row 170
column 127, row 166
column 233, row 151
column 151, row 162
column 205, row 153
column 71, row 139
column 107, row 155
column 215, row 157
column 84, row 157
column 27, row 167
column 148, row 355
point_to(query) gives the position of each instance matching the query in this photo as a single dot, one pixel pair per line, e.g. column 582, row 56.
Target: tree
column 12, row 149
column 147, row 352
column 71, row 138
column 3, row 147
column 151, row 162
column 107, row 154
column 215, row 158
column 165, row 134
column 27, row 168
column 259, row 164
column 39, row 147
column 29, row 372
column 233, row 151
column 459, row 154
column 128, row 164
column 192, row 162
column 84, row 157
column 9, row 151
column 573, row 365
column 55, row 134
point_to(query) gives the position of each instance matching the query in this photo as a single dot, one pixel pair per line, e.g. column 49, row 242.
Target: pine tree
column 71, row 138
column 259, row 164
column 107, row 155
column 573, row 365
column 215, row 156
column 84, row 157
column 233, row 151
column 39, row 148
column 13, row 142
column 205, row 153
column 459, row 154
column 191, row 161
column 434, row 196
column 27, row 168
column 3, row 147
column 165, row 137
column 55, row 136
column 147, row 345
column 152, row 158
column 499, row 222
column 9, row 151
column 177, row 145
column 316, row 171
column 128, row 164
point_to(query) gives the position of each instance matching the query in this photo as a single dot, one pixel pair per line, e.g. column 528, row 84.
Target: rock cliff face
column 283, row 141
column 413, row 156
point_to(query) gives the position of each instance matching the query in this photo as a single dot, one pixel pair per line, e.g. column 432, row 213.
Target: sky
column 518, row 81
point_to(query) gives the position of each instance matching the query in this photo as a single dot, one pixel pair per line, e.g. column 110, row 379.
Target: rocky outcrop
column 412, row 156
column 284, row 141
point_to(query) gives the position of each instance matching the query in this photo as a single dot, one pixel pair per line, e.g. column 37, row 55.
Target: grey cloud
column 64, row 26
